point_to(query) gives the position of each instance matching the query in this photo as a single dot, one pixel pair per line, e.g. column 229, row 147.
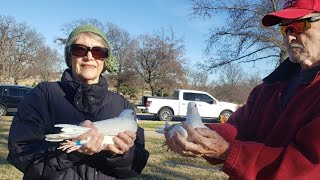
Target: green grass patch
column 152, row 125
column 162, row 164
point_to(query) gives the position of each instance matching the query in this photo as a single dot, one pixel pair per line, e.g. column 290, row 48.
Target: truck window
column 189, row 96
column 204, row 98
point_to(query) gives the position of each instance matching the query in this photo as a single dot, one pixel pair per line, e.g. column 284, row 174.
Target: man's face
column 303, row 48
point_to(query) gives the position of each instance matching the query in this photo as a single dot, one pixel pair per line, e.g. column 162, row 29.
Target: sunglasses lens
column 283, row 30
column 81, row 51
column 296, row 27
column 78, row 50
column 99, row 52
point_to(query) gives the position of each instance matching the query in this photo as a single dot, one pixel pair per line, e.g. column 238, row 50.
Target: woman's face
column 87, row 68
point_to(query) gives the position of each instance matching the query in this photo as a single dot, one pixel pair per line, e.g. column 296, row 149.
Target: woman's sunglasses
column 298, row 26
column 82, row 50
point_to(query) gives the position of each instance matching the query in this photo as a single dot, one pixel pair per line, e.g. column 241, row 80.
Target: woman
column 81, row 97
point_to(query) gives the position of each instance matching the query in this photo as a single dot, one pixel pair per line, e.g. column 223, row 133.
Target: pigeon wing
column 69, row 131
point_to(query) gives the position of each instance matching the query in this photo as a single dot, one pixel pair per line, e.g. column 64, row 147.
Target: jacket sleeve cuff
column 232, row 157
column 75, row 156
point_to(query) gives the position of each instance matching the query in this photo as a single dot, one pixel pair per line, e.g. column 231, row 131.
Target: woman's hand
column 94, row 145
column 122, row 142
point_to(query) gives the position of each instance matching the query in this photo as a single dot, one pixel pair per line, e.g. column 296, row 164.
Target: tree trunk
column 152, row 89
column 283, row 56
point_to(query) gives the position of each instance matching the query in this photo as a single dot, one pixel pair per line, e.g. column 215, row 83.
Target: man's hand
column 122, row 142
column 202, row 142
column 172, row 142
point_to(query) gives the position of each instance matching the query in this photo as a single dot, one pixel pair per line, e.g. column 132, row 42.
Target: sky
column 137, row 17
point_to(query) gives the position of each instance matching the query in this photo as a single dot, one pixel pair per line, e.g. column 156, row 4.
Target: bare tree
column 197, row 80
column 247, row 86
column 242, row 38
column 228, row 86
column 234, row 84
column 151, row 59
column 123, row 49
column 158, row 60
column 47, row 62
column 18, row 47
column 68, row 27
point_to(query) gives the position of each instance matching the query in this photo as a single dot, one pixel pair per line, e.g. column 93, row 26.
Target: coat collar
column 283, row 72
column 288, row 69
column 87, row 98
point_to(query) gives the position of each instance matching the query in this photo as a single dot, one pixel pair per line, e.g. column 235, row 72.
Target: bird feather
column 193, row 119
column 109, row 128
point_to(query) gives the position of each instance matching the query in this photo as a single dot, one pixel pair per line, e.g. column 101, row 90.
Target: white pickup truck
column 167, row 107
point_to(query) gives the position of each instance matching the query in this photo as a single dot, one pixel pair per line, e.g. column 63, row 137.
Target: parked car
column 167, row 107
column 10, row 97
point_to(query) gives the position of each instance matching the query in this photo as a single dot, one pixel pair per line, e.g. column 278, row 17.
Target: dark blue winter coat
column 72, row 102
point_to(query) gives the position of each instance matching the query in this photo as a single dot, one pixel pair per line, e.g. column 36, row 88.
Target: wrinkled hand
column 203, row 142
column 172, row 142
column 94, row 145
column 122, row 142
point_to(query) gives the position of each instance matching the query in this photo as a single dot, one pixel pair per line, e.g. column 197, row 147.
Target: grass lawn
column 162, row 164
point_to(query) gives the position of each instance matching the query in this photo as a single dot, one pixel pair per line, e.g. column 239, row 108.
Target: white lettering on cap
column 288, row 3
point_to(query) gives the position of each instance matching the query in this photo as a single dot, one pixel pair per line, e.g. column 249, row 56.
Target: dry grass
column 162, row 164
column 7, row 172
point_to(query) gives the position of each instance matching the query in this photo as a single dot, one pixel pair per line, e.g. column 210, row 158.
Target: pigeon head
column 128, row 113
column 192, row 109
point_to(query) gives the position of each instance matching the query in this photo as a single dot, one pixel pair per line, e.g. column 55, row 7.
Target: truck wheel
column 3, row 110
column 224, row 116
column 165, row 114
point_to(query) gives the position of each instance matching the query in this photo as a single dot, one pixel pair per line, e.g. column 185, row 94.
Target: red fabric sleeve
column 225, row 130
column 299, row 160
column 253, row 160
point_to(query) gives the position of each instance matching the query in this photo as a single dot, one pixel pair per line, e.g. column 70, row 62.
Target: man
column 276, row 134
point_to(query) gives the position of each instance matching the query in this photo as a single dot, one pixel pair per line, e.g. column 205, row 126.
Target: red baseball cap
column 292, row 9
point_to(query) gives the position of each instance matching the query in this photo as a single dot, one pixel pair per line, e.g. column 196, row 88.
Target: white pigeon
column 193, row 119
column 109, row 128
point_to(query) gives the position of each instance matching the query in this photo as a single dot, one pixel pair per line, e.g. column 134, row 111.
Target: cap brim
column 276, row 17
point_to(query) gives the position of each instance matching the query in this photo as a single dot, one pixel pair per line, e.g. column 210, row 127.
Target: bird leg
column 70, row 146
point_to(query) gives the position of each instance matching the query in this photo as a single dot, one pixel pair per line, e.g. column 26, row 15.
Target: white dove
column 193, row 119
column 109, row 128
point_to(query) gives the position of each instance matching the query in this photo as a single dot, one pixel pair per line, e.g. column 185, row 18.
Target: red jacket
column 268, row 142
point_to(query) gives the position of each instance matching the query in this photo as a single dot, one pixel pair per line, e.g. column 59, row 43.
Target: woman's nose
column 89, row 55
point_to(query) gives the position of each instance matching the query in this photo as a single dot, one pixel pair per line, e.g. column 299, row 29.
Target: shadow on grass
column 192, row 165
column 3, row 140
column 3, row 144
column 161, row 171
column 3, row 160
column 164, row 173
column 4, row 136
